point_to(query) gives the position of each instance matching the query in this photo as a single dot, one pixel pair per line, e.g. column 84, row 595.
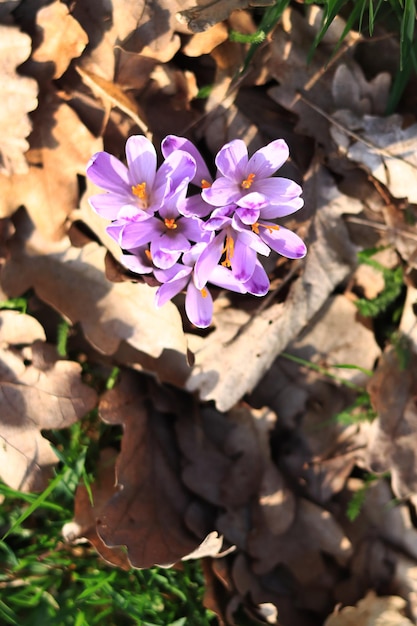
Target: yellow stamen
column 139, row 191
column 229, row 249
column 269, row 227
column 170, row 223
column 205, row 184
column 204, row 292
column 247, row 183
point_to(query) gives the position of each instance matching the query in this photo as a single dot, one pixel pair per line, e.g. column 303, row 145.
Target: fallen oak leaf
column 19, row 96
column 63, row 39
column 146, row 513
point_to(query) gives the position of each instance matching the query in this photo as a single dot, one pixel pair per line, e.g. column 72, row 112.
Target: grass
column 44, row 581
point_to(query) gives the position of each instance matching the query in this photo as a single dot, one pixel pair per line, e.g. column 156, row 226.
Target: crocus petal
column 194, row 206
column 284, row 242
column 249, row 238
column 108, row 173
column 248, row 216
column 107, row 205
column 222, row 192
column 135, row 234
column 223, row 277
column 243, row 261
column 258, row 284
column 179, row 167
column 268, row 159
column 273, row 211
column 174, row 272
column 172, row 241
column 232, row 159
column 137, row 263
column 198, row 306
column 162, row 258
column 141, row 160
column 193, row 229
column 208, row 260
column 277, row 189
column 132, row 213
column 170, row 289
column 171, row 143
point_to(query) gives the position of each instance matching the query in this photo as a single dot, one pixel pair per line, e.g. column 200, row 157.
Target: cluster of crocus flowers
column 188, row 240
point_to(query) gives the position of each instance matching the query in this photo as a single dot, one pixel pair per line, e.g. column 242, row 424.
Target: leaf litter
column 283, row 449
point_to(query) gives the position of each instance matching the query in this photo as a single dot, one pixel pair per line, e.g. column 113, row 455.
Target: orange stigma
column 205, row 184
column 170, row 223
column 140, row 192
column 247, row 183
column 204, row 292
column 148, row 255
column 229, row 249
column 269, row 227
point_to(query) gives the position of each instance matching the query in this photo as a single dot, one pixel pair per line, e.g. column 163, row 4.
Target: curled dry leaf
column 36, row 392
column 372, row 611
column 146, row 513
column 19, row 96
column 63, row 39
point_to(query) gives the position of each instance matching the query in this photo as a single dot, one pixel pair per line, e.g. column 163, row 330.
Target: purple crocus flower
column 193, row 205
column 198, row 300
column 240, row 175
column 167, row 234
column 239, row 247
column 255, row 212
column 137, row 191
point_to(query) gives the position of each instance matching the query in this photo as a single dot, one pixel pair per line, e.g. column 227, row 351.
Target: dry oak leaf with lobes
column 147, row 513
column 18, row 97
column 36, row 392
column 63, row 39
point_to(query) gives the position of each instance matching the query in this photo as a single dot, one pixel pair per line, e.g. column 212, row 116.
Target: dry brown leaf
column 392, row 445
column 205, row 462
column 63, row 39
column 300, row 548
column 303, row 83
column 73, row 282
column 19, row 96
column 351, row 90
column 106, row 24
column 146, row 513
column 36, row 392
column 372, row 611
column 384, row 148
column 60, row 149
column 203, row 43
column 247, row 353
